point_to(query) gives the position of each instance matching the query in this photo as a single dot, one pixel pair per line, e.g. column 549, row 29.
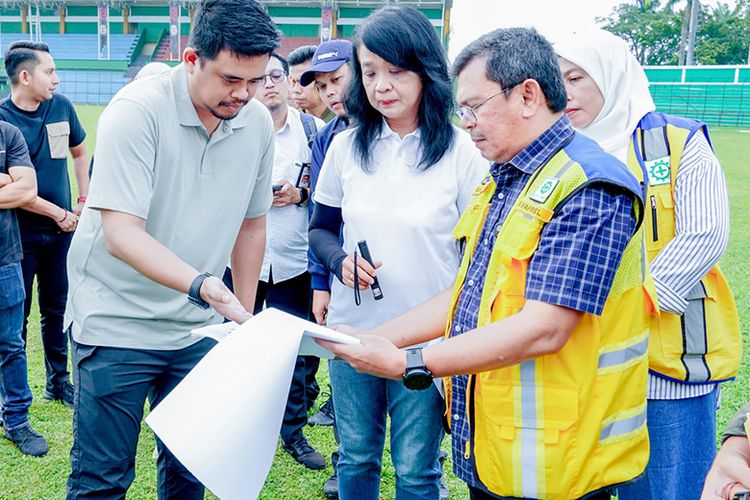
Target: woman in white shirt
column 399, row 179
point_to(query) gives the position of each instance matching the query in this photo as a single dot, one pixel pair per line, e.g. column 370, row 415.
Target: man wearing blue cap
column 331, row 72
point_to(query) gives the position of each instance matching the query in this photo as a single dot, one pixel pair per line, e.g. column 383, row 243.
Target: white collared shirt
column 406, row 215
column 286, row 227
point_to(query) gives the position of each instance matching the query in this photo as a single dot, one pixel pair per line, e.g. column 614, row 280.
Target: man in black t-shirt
column 17, row 187
column 51, row 129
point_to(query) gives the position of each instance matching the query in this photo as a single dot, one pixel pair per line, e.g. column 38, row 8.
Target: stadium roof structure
column 189, row 3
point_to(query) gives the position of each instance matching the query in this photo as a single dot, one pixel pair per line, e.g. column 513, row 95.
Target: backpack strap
column 308, row 123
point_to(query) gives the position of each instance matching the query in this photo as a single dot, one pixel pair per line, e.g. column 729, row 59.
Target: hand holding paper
column 245, row 380
column 372, row 354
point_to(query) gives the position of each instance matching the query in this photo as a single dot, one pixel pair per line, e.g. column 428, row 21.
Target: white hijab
column 620, row 79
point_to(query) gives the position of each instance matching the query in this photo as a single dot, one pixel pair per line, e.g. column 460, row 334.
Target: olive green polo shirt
column 155, row 160
column 736, row 426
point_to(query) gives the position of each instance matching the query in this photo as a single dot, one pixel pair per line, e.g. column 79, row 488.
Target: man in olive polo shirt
column 183, row 181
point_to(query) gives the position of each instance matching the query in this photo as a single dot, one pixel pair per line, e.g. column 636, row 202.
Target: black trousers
column 111, row 386
column 292, row 296
column 44, row 256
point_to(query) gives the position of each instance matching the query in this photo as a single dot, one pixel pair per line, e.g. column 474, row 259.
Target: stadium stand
column 82, row 47
column 288, row 44
column 718, row 95
column 139, row 33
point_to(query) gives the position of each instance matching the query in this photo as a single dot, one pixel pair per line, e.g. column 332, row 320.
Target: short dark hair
column 282, row 60
column 516, row 54
column 241, row 26
column 404, row 37
column 301, row 54
column 22, row 55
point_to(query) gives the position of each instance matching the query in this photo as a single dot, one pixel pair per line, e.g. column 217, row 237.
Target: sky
column 552, row 18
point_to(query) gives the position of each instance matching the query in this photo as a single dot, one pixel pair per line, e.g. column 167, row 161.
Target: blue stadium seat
column 79, row 46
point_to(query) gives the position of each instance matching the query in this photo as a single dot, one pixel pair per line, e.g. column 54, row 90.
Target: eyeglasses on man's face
column 468, row 113
column 276, row 75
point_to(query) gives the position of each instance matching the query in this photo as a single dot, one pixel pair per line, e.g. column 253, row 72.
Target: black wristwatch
column 303, row 195
column 416, row 377
column 194, row 293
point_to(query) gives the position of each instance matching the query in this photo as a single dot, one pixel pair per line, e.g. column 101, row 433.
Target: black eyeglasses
column 468, row 113
column 275, row 75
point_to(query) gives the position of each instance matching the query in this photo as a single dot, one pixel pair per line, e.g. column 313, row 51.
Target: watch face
column 418, row 379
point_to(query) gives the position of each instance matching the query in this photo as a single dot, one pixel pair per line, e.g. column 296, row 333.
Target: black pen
column 377, row 293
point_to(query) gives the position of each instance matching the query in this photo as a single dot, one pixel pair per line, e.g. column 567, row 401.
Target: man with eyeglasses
column 284, row 280
column 545, row 350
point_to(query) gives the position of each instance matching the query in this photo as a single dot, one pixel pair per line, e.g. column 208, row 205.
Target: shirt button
column 457, row 328
column 500, row 196
column 486, row 241
column 455, row 416
column 471, row 282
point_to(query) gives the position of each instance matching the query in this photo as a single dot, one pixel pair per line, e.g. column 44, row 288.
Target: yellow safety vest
column 704, row 344
column 562, row 425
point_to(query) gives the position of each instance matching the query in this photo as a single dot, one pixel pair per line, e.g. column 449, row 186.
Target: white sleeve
column 329, row 190
column 471, row 168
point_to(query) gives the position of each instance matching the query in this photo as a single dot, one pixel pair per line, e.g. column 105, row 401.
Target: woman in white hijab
column 685, row 231
column 607, row 88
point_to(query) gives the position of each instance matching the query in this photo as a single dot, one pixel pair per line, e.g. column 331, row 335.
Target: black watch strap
column 414, row 358
column 194, row 293
column 303, row 195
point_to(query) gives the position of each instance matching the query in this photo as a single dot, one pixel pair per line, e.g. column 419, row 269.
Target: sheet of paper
column 216, row 332
column 223, row 420
column 308, row 347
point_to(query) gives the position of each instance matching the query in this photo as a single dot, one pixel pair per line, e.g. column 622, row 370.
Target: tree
column 723, row 35
column 657, row 31
column 652, row 31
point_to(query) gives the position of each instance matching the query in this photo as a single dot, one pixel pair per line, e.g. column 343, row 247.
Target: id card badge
column 303, row 178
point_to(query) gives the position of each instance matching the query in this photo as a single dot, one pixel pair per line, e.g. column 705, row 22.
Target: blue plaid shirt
column 574, row 265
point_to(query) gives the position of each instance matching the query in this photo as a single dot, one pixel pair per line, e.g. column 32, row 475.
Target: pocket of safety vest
column 517, row 424
column 686, row 333
column 520, row 236
column 512, row 408
column 661, row 208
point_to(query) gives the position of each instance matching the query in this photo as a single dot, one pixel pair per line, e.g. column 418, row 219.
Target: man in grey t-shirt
column 183, row 181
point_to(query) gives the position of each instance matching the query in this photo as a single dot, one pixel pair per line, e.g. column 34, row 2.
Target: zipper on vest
column 654, row 222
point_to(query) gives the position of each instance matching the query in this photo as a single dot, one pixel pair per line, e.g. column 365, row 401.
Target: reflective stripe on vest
column 529, row 473
column 621, row 357
column 655, row 144
column 695, row 339
column 623, row 424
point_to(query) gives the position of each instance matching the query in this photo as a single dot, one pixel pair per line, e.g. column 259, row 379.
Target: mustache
column 236, row 101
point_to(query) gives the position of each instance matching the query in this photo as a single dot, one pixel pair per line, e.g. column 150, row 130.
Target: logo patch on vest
column 659, row 171
column 541, row 194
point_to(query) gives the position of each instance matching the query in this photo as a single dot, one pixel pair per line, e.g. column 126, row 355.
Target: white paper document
column 223, row 420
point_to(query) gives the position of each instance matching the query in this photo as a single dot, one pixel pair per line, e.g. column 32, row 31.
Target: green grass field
column 23, row 477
